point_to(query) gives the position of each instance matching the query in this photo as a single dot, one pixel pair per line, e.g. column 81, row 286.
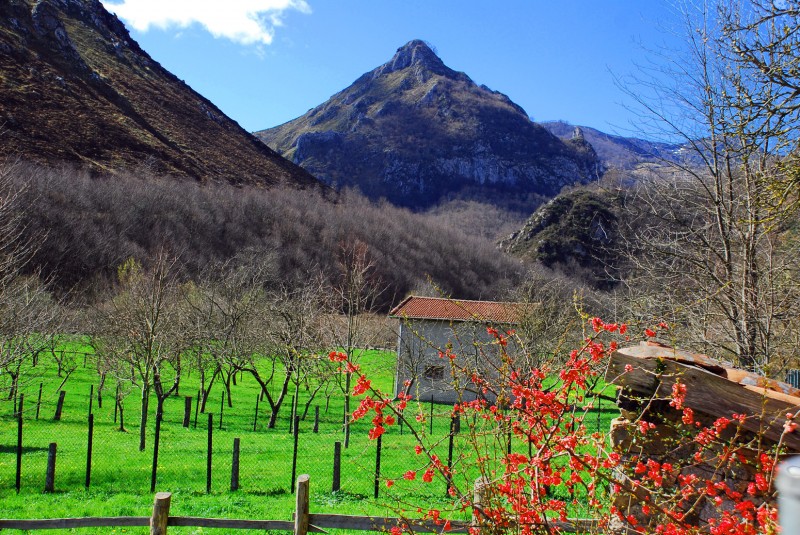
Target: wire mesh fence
column 196, row 448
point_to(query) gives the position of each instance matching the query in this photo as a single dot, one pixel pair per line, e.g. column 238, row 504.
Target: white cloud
column 244, row 21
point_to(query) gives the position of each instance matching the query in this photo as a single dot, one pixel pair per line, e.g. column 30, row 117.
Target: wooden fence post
column 89, row 451
column 296, row 441
column 378, row 466
column 208, row 457
column 301, row 507
column 39, row 400
column 60, row 405
column 235, row 466
column 18, row 480
column 479, row 499
column 337, row 466
column 158, row 522
column 91, row 397
column 50, row 477
column 187, row 411
column 156, row 441
column 316, row 418
column 291, row 423
column 453, row 424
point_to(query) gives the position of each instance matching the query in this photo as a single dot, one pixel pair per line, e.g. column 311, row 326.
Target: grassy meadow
column 120, row 476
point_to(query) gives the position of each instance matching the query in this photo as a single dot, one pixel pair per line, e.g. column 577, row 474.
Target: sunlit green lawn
column 120, row 476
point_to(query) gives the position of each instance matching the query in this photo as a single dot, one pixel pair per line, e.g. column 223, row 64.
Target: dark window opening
column 434, row 373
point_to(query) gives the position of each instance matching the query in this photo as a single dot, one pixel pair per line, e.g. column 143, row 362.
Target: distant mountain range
column 617, row 151
column 415, row 132
column 76, row 88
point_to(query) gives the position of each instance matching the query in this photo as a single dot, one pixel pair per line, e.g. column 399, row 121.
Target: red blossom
column 678, row 395
column 547, row 416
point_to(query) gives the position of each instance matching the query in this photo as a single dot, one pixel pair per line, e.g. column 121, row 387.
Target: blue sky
column 265, row 62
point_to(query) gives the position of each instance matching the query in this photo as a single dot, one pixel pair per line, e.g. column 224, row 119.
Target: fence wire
column 265, row 457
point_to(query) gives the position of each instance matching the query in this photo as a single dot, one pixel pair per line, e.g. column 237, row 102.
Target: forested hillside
column 84, row 228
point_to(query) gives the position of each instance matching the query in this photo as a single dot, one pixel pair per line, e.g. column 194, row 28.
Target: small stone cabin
column 428, row 324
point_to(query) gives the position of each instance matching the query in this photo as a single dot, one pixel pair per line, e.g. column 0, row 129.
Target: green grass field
column 120, row 477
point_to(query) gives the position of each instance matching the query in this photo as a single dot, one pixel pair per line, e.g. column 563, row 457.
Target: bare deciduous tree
column 289, row 324
column 705, row 232
column 352, row 297
column 144, row 334
column 29, row 314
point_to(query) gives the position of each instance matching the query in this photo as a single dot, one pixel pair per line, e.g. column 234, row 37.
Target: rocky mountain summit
column 416, row 132
column 75, row 87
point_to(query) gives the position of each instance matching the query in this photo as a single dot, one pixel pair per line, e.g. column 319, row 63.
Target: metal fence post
column 787, row 482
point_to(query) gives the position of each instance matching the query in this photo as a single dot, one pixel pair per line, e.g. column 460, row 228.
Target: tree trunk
column 143, row 421
column 276, row 406
column 347, row 409
column 207, row 390
column 228, row 389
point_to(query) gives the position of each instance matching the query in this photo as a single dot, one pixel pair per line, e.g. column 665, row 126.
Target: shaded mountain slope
column 416, row 132
column 76, row 88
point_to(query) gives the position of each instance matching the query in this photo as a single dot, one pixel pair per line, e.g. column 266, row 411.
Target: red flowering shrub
column 533, row 442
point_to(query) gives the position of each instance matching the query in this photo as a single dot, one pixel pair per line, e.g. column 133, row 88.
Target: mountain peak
column 417, row 54
column 416, row 132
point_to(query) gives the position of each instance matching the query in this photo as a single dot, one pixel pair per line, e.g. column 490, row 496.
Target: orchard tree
column 225, row 310
column 353, row 296
column 29, row 315
column 144, row 331
column 289, row 325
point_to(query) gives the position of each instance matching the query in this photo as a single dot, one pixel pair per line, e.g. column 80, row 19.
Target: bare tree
column 290, row 325
column 29, row 315
column 352, row 296
column 225, row 308
column 143, row 332
column 705, row 232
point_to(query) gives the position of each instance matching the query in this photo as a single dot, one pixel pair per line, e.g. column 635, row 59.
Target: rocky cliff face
column 416, row 132
column 75, row 87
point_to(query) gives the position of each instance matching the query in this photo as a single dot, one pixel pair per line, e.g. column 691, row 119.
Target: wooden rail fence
column 304, row 521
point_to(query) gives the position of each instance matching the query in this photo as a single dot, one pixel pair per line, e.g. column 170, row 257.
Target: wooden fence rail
column 303, row 522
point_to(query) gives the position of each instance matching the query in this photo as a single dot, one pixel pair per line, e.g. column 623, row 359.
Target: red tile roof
column 436, row 308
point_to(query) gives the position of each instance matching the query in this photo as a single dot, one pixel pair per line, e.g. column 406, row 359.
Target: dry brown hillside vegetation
column 89, row 226
column 75, row 87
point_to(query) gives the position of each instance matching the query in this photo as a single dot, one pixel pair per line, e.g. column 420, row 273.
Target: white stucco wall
column 418, row 346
